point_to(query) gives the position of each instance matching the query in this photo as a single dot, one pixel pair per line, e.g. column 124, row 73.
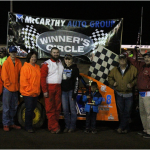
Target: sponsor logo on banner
column 67, row 41
column 19, row 18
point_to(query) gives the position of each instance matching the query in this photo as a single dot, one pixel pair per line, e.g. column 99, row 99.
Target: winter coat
column 97, row 97
column 70, row 79
column 129, row 76
column 30, row 80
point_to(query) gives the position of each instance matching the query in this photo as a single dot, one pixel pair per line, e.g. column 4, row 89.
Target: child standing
column 91, row 109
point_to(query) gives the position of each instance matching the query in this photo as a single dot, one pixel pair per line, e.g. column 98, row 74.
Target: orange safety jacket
column 30, row 80
column 10, row 74
column 1, row 83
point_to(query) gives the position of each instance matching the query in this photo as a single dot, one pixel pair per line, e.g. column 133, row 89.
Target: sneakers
column 66, row 130
column 87, row 130
column 94, row 131
column 142, row 133
column 125, row 131
column 30, row 131
column 6, row 128
column 15, row 127
column 55, row 132
column 119, row 130
column 71, row 130
column 147, row 136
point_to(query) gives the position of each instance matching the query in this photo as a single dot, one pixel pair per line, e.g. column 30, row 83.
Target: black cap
column 122, row 56
column 148, row 53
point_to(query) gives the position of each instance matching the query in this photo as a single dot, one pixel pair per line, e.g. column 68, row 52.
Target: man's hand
column 88, row 96
column 115, row 84
column 46, row 94
column 129, row 85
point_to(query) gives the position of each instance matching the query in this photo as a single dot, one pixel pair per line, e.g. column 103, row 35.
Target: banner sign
column 77, row 37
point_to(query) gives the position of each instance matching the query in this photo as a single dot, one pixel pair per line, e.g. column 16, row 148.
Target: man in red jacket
column 51, row 77
column 143, row 84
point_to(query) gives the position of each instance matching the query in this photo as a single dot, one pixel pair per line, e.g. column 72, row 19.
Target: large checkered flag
column 30, row 36
column 103, row 61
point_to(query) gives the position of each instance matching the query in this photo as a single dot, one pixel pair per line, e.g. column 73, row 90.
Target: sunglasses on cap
column 68, row 55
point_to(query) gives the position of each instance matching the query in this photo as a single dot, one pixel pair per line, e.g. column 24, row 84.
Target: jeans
column 69, row 115
column 91, row 118
column 30, row 104
column 10, row 104
column 124, row 105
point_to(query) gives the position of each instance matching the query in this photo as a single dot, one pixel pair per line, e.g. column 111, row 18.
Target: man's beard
column 54, row 58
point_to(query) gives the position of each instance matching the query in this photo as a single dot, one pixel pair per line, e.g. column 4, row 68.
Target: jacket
column 97, row 97
column 11, row 74
column 30, row 80
column 70, row 79
column 1, row 83
column 51, row 73
column 129, row 76
column 143, row 78
column 2, row 60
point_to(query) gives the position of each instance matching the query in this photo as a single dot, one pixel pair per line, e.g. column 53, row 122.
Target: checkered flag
column 103, row 61
column 30, row 36
column 99, row 37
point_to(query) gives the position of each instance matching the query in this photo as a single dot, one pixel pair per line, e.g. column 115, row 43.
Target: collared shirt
column 122, row 71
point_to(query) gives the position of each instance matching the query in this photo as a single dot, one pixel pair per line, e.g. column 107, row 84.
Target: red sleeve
column 44, row 72
column 135, row 62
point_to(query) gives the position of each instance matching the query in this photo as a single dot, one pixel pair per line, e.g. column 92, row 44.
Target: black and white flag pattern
column 103, row 61
column 30, row 36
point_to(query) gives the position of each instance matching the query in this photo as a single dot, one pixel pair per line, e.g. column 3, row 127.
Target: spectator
column 30, row 87
column 69, row 92
column 123, row 79
column 91, row 109
column 51, row 77
column 3, row 55
column 10, row 77
column 143, row 84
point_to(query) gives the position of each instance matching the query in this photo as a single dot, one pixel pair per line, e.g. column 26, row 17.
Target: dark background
column 85, row 10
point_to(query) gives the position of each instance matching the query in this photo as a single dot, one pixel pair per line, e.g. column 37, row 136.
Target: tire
column 39, row 115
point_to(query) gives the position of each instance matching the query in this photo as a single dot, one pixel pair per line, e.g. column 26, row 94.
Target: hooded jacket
column 11, row 74
column 70, row 79
column 30, row 80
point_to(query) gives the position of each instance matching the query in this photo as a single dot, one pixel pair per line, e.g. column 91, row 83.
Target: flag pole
column 11, row 6
column 141, row 28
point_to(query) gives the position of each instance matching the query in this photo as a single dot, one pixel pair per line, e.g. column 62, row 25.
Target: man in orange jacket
column 10, row 77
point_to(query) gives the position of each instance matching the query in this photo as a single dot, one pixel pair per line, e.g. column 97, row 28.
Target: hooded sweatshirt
column 30, row 80
column 70, row 79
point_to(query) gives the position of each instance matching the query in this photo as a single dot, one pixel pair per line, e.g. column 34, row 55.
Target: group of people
column 59, row 83
column 122, row 79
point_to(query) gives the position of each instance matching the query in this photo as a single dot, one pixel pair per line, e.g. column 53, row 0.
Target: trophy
column 90, row 99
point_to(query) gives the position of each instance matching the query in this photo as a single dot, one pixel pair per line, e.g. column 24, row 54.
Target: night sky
column 85, row 10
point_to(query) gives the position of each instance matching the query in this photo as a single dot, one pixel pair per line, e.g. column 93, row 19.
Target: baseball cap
column 148, row 53
column 122, row 56
column 68, row 56
column 12, row 49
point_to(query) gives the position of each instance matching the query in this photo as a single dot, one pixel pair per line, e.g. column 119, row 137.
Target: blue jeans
column 91, row 119
column 30, row 104
column 70, row 115
column 124, row 105
column 10, row 104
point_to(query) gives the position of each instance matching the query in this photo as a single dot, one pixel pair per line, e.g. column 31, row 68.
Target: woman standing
column 30, row 87
column 69, row 92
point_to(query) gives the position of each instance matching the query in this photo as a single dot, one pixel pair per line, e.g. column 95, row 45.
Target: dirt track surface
column 106, row 138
